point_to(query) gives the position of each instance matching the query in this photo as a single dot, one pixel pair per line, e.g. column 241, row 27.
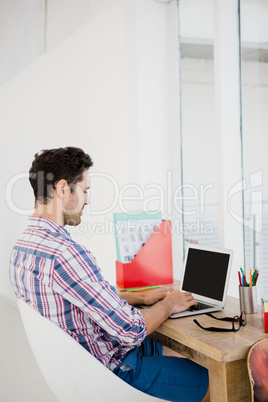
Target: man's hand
column 155, row 295
column 174, row 302
column 181, row 300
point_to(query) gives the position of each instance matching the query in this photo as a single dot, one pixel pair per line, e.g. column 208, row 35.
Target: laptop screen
column 205, row 273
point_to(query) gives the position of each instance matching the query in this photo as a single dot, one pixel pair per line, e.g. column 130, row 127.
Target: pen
column 254, row 277
column 245, row 280
column 239, row 277
column 140, row 289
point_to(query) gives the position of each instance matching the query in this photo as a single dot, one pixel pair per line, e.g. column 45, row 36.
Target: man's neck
column 48, row 211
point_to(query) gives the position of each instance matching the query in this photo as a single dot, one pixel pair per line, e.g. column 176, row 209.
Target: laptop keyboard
column 200, row 306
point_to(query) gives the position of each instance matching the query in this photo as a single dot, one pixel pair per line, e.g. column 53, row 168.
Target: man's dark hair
column 52, row 165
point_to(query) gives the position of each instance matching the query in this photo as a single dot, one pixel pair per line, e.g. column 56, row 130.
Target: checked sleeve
column 77, row 278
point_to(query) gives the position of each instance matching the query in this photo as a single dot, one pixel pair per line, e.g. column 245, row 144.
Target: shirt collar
column 38, row 222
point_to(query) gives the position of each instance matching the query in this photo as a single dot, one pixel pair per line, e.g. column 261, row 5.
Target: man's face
column 75, row 201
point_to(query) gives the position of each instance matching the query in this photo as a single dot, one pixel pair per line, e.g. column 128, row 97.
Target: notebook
column 206, row 275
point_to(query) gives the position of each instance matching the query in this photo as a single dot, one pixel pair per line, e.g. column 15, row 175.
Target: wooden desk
column 223, row 354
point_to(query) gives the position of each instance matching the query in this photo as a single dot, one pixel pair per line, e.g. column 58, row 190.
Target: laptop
column 206, row 275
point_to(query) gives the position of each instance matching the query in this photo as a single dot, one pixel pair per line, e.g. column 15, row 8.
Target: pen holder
column 248, row 299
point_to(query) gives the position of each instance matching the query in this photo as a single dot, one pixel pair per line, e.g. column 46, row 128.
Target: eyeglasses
column 237, row 322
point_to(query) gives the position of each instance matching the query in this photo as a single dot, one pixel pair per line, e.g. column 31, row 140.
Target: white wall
column 65, row 17
column 28, row 28
column 85, row 92
column 22, row 35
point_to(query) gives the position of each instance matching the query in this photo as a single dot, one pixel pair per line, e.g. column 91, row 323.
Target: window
column 199, row 142
column 254, row 80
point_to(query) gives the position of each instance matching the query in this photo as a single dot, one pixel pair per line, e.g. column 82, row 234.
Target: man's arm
column 166, row 301
column 147, row 298
column 77, row 279
column 174, row 302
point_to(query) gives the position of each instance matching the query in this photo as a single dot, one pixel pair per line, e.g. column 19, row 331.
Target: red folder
column 152, row 265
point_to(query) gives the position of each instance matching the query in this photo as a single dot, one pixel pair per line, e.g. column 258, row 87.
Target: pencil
column 140, row 289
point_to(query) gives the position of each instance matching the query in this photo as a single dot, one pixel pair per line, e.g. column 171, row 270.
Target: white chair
column 71, row 372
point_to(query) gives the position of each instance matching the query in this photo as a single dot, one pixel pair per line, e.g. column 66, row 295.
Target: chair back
column 71, row 372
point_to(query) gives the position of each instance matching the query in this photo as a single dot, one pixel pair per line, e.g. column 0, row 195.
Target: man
column 61, row 279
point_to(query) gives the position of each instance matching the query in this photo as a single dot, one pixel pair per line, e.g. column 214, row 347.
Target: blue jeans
column 167, row 377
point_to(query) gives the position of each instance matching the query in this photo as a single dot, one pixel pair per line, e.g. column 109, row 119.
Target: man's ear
column 60, row 187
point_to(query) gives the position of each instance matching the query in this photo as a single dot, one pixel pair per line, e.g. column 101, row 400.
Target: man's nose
column 87, row 199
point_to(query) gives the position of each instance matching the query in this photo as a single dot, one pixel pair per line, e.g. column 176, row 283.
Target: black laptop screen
column 205, row 273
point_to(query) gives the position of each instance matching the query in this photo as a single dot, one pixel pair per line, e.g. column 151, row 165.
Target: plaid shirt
column 61, row 279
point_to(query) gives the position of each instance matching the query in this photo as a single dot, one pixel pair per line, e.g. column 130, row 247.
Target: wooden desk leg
column 229, row 382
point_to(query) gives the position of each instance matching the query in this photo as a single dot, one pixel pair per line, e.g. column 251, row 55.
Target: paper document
column 132, row 231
